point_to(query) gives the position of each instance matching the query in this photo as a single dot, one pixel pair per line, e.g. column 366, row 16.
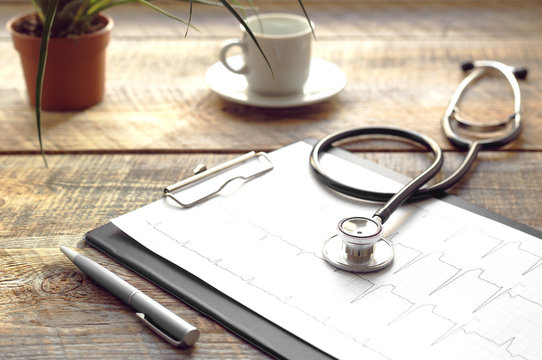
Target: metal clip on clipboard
column 202, row 173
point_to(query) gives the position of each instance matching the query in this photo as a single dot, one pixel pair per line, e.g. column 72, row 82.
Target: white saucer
column 325, row 80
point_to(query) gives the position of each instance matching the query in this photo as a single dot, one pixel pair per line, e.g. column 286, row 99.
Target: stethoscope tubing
column 359, row 246
column 450, row 119
column 369, row 195
column 393, row 201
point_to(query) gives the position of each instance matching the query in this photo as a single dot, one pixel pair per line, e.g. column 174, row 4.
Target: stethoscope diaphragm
column 358, row 246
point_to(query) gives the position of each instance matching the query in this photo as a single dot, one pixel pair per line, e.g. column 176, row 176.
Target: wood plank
column 459, row 19
column 157, row 97
column 400, row 58
column 401, row 61
column 49, row 309
column 42, row 208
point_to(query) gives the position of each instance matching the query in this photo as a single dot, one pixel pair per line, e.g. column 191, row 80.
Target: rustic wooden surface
column 401, row 60
column 158, row 120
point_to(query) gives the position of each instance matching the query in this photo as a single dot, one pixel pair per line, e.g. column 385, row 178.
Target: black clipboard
column 257, row 330
column 239, row 319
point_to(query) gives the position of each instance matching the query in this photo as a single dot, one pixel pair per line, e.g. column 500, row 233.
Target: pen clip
column 161, row 332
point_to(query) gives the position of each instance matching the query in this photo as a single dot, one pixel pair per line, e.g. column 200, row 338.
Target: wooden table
column 159, row 120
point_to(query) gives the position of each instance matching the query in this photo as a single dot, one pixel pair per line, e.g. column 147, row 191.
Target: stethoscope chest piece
column 358, row 246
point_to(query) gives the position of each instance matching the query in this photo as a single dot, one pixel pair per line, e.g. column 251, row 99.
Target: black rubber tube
column 393, row 201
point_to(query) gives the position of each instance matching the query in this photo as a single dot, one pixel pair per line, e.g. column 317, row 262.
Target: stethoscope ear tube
column 452, row 118
column 450, row 121
column 359, row 246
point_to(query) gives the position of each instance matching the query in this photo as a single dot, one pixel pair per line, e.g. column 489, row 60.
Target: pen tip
column 68, row 252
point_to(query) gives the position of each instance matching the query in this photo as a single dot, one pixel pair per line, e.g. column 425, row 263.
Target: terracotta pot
column 74, row 76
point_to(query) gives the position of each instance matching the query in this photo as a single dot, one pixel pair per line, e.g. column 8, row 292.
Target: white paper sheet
column 461, row 286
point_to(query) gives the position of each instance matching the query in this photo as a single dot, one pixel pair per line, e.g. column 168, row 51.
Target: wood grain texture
column 460, row 19
column 159, row 120
column 47, row 208
column 48, row 309
column 401, row 60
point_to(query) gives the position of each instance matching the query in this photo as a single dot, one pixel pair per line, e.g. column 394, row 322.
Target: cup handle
column 226, row 46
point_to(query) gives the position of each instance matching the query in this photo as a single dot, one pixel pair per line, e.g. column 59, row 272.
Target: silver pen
column 169, row 326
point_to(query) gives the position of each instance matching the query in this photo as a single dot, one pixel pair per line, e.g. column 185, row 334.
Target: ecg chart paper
column 461, row 285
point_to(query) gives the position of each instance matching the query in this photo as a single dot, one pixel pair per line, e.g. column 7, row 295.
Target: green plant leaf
column 96, row 6
column 45, row 36
column 67, row 18
column 99, row 6
column 163, row 12
column 218, row 3
column 38, row 5
column 189, row 19
column 249, row 32
column 80, row 12
column 307, row 16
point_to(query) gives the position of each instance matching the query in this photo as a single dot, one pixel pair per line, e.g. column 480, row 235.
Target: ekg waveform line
column 249, row 281
column 373, row 287
column 464, row 281
column 461, row 286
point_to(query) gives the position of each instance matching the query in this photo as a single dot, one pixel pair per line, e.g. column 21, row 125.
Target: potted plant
column 64, row 36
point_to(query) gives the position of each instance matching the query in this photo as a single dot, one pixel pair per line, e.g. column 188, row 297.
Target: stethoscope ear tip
column 467, row 65
column 520, row 73
column 358, row 245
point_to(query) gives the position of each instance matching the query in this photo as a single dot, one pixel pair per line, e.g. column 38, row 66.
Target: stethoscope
column 358, row 245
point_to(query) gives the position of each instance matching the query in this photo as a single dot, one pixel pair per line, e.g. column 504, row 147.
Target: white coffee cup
column 286, row 42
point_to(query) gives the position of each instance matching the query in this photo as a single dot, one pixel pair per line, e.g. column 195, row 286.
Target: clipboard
column 245, row 323
column 241, row 320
